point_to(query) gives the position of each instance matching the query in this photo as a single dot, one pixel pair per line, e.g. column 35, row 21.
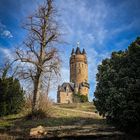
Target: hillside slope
column 67, row 120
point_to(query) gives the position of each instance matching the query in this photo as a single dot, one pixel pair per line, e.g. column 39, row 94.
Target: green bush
column 11, row 96
column 79, row 98
column 117, row 94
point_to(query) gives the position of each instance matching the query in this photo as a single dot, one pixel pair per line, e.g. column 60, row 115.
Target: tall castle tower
column 78, row 78
column 79, row 71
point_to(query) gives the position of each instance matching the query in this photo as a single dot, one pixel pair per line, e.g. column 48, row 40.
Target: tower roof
column 72, row 52
column 78, row 50
column 65, row 85
column 83, row 52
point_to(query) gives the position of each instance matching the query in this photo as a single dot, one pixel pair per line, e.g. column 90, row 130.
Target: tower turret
column 72, row 52
column 78, row 51
column 83, row 52
column 79, row 70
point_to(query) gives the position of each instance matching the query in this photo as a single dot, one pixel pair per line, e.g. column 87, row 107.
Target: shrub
column 80, row 98
column 38, row 114
column 44, row 111
column 11, row 96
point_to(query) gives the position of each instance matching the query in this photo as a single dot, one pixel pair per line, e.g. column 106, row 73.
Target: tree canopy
column 117, row 94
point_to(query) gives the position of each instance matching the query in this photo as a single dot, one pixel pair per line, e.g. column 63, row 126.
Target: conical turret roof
column 78, row 50
column 72, row 52
column 83, row 52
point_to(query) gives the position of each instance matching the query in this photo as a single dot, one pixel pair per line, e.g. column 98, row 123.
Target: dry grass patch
column 60, row 117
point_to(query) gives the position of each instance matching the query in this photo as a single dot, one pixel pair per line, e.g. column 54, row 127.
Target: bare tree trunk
column 49, row 82
column 36, row 95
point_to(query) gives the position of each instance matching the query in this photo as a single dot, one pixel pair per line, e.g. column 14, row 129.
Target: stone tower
column 78, row 78
column 79, row 71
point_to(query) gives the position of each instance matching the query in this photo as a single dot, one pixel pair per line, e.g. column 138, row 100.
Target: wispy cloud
column 4, row 32
column 6, row 52
column 7, row 34
column 80, row 20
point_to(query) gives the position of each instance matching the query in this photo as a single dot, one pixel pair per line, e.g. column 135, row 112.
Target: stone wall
column 64, row 97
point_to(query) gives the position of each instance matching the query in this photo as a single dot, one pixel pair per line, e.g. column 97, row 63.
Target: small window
column 67, row 89
column 79, row 70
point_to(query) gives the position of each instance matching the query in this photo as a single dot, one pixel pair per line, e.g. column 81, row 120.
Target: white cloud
column 6, row 52
column 7, row 34
column 4, row 32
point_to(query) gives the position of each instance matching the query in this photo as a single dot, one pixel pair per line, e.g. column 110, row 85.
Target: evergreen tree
column 11, row 96
column 117, row 94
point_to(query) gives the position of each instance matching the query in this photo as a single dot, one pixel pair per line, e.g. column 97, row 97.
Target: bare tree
column 6, row 69
column 39, row 58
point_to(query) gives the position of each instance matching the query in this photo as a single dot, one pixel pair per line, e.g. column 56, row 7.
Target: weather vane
column 78, row 44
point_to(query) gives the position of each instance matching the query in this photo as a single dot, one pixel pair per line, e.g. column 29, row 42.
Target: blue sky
column 101, row 26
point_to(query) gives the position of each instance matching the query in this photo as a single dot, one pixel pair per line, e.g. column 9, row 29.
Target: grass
column 89, row 107
column 60, row 117
column 66, row 120
column 65, row 115
column 9, row 120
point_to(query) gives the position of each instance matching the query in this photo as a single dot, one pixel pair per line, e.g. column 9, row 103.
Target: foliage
column 80, row 98
column 117, row 95
column 11, row 96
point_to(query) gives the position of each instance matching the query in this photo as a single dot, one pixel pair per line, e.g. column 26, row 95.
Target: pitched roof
column 65, row 85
